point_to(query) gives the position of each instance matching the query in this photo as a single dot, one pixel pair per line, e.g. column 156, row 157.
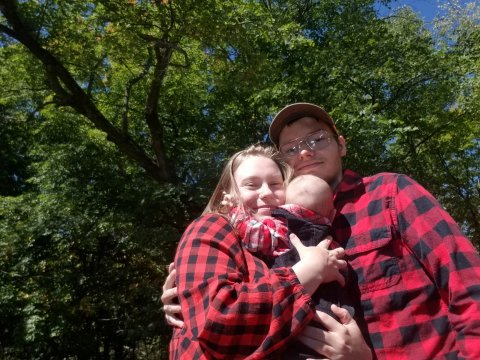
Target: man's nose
column 305, row 152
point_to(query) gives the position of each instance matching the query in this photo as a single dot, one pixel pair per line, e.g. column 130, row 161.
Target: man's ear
column 342, row 146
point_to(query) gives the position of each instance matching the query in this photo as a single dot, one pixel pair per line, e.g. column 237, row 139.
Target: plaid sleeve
column 256, row 236
column 263, row 237
column 234, row 307
column 448, row 257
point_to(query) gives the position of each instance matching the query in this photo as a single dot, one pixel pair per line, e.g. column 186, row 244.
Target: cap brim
column 294, row 112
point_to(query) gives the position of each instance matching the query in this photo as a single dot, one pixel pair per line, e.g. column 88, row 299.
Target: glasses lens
column 316, row 141
column 289, row 150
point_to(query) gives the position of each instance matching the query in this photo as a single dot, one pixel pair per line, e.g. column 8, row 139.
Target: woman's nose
column 265, row 191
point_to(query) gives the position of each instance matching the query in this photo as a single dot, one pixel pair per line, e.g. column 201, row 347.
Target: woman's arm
column 232, row 304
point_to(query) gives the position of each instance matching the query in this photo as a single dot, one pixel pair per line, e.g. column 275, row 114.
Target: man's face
column 325, row 163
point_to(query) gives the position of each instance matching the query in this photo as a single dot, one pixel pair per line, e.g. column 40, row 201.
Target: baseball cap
column 295, row 111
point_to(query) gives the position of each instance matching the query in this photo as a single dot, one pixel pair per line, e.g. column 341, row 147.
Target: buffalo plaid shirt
column 268, row 237
column 418, row 276
column 234, row 307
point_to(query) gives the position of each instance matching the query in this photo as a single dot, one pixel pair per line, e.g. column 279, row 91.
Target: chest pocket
column 374, row 257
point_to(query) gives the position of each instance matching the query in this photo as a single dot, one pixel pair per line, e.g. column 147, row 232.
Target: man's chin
column 313, row 171
column 309, row 170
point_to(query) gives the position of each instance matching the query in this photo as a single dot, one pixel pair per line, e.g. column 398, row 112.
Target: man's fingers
column 173, row 321
column 169, row 295
column 172, row 309
column 339, row 340
column 314, row 338
column 170, row 280
column 328, row 322
column 169, row 299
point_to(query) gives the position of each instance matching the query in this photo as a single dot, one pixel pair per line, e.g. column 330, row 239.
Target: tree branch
column 128, row 89
column 68, row 92
column 162, row 56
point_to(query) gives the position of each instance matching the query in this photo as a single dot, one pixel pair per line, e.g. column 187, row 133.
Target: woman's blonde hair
column 227, row 184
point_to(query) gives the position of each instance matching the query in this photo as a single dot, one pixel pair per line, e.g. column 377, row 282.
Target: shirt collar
column 349, row 181
column 306, row 214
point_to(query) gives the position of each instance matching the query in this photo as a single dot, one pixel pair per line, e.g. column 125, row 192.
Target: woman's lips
column 264, row 209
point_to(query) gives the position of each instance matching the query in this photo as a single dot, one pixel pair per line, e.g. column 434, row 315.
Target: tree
column 117, row 117
column 87, row 244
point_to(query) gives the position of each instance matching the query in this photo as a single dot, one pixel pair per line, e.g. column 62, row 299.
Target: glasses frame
column 297, row 144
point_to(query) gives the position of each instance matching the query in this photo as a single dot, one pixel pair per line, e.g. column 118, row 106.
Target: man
column 417, row 275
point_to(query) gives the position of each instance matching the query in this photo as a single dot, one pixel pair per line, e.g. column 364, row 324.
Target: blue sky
column 427, row 9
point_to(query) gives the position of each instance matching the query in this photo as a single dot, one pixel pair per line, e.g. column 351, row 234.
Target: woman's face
column 261, row 186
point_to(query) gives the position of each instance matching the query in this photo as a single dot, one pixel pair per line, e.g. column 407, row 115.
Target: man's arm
column 447, row 257
column 170, row 299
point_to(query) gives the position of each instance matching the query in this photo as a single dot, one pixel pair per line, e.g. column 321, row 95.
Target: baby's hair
column 312, row 192
column 227, row 184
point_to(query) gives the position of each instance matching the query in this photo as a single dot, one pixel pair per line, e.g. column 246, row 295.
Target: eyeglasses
column 317, row 141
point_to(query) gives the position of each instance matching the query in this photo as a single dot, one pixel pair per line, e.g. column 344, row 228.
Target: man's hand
column 340, row 341
column 169, row 299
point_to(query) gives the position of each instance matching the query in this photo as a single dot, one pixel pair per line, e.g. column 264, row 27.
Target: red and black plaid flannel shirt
column 234, row 307
column 266, row 237
column 418, row 276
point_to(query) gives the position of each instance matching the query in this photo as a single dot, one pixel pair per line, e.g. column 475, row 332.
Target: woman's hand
column 340, row 341
column 228, row 203
column 318, row 265
column 169, row 299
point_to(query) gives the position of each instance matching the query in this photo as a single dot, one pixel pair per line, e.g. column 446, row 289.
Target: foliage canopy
column 116, row 117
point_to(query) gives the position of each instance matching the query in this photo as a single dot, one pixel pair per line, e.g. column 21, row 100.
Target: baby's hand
column 226, row 204
column 318, row 265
